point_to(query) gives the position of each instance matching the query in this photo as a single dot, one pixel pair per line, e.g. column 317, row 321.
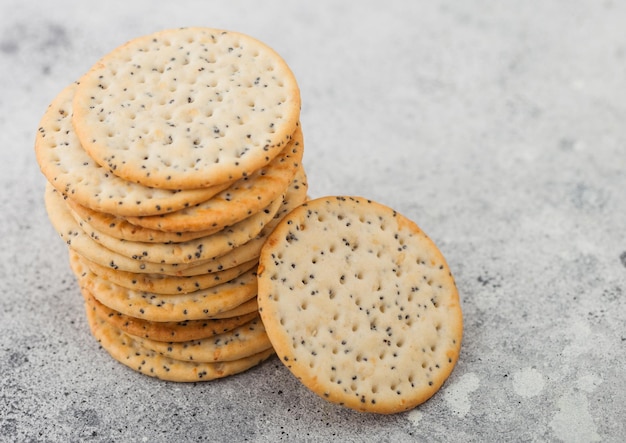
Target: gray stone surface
column 498, row 126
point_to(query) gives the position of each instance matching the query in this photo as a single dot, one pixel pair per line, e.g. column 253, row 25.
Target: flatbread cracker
column 237, row 202
column 67, row 166
column 167, row 331
column 199, row 305
column 123, row 348
column 79, row 241
column 360, row 304
column 118, row 227
column 193, row 251
column 246, row 340
column 187, row 108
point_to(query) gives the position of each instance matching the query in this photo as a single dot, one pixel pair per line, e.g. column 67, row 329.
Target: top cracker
column 186, row 108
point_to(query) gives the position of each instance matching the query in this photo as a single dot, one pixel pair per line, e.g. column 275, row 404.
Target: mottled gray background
column 498, row 126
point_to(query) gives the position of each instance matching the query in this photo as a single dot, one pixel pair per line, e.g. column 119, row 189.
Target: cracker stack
column 175, row 177
column 169, row 163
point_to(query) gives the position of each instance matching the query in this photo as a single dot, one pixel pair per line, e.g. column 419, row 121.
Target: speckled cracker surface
column 167, row 331
column 245, row 197
column 191, row 251
column 67, row 166
column 125, row 349
column 244, row 341
column 186, row 108
column 360, row 304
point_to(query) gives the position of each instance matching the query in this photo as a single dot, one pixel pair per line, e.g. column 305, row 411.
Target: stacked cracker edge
column 199, row 234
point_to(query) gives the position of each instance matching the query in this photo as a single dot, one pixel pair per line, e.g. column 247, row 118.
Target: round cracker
column 118, row 227
column 165, row 284
column 67, row 166
column 187, row 108
column 360, row 304
column 125, row 349
column 199, row 305
column 245, row 197
column 79, row 241
column 241, row 342
column 193, row 251
column 166, row 331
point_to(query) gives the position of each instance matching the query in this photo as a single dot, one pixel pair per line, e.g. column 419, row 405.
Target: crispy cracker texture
column 360, row 304
column 186, row 108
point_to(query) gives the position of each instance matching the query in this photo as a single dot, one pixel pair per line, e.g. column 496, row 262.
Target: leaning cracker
column 167, row 331
column 187, row 108
column 360, row 304
column 67, row 166
column 123, row 348
column 237, row 202
column 244, row 341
